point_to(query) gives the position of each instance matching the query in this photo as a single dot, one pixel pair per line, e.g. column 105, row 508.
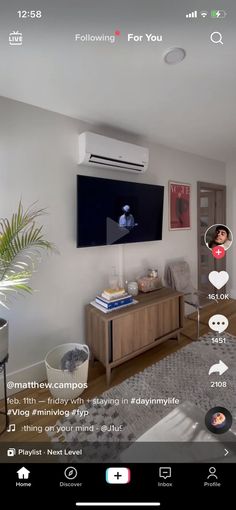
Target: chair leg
column 198, row 323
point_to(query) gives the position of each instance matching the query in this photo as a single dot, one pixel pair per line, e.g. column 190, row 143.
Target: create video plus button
column 118, row 475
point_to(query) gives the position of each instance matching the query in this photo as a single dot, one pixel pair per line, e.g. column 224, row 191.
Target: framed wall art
column 179, row 206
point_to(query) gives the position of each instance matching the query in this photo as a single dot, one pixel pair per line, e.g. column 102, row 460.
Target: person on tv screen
column 126, row 220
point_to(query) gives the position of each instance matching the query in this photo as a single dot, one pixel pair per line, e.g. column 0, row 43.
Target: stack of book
column 111, row 299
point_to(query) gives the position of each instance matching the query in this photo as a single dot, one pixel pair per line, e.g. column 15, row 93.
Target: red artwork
column 179, row 206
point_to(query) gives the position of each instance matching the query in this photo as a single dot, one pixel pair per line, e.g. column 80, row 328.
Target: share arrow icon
column 220, row 367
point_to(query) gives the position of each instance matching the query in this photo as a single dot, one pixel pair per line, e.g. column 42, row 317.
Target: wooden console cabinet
column 118, row 336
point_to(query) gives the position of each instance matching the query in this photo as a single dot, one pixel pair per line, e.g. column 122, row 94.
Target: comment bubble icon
column 165, row 472
column 218, row 323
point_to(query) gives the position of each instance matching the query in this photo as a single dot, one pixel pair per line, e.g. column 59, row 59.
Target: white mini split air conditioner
column 96, row 150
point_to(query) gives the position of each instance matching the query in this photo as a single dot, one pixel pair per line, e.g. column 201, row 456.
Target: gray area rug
column 182, row 375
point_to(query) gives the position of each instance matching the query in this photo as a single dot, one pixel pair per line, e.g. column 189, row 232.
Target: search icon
column 216, row 37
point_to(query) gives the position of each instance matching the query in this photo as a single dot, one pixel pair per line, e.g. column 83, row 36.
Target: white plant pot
column 3, row 339
column 57, row 376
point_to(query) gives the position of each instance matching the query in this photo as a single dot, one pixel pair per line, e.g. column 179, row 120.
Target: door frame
column 210, row 186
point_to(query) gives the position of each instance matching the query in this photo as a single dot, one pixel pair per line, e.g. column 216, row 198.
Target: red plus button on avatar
column 218, row 252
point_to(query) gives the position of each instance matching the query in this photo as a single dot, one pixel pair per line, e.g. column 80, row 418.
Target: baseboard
column 35, row 372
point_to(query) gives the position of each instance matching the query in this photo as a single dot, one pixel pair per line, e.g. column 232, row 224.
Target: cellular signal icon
column 192, row 14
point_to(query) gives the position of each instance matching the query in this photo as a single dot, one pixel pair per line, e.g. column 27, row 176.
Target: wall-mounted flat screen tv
column 117, row 212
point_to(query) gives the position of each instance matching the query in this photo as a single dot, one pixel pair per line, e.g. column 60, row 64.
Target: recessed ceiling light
column 174, row 56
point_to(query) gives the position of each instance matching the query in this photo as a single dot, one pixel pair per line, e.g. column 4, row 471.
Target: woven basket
column 63, row 377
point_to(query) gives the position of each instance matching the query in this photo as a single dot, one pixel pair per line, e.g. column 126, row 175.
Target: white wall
column 231, row 221
column 38, row 151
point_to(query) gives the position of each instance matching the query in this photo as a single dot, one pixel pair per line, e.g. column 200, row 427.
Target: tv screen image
column 117, row 212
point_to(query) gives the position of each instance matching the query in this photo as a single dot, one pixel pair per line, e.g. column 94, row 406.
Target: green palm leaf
column 21, row 244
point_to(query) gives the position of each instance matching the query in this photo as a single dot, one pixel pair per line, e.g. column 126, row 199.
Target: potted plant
column 21, row 242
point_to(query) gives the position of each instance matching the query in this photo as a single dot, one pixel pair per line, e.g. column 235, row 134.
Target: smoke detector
column 174, row 56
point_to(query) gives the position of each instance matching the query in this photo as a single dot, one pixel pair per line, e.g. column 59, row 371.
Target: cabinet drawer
column 142, row 327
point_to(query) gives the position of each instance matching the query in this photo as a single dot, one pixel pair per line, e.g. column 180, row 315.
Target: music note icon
column 11, row 428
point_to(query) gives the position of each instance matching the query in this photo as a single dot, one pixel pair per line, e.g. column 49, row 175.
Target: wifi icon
column 204, row 14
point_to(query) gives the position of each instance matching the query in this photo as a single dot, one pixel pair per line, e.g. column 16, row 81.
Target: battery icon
column 218, row 14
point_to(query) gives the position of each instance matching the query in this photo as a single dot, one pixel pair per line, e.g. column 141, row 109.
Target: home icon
column 23, row 473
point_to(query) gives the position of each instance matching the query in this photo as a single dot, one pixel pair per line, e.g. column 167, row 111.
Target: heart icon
column 218, row 278
column 117, row 32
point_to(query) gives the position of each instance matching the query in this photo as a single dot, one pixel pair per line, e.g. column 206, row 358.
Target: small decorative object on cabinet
column 133, row 288
column 153, row 273
column 121, row 335
column 149, row 283
column 113, row 279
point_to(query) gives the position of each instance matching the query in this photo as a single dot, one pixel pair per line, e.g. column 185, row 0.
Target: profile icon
column 212, row 473
column 218, row 235
column 126, row 220
column 218, row 420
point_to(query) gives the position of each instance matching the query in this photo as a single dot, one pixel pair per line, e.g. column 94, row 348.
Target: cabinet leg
column 108, row 375
column 178, row 337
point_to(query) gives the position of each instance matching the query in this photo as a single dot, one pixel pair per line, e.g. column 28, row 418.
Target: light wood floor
column 97, row 380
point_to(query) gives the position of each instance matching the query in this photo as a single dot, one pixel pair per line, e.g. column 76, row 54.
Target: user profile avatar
column 218, row 420
column 218, row 235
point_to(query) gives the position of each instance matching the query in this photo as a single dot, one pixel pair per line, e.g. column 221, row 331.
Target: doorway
column 211, row 200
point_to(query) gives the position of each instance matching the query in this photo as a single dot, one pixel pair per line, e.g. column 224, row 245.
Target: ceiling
column 190, row 106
